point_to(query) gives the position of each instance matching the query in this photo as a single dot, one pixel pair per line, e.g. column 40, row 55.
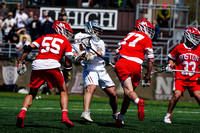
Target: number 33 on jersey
column 186, row 59
column 53, row 46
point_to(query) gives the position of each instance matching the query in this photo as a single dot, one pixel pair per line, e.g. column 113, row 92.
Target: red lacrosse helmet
column 63, row 28
column 193, row 35
column 145, row 26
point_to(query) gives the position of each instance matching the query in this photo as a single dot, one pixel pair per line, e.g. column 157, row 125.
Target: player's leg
column 108, row 86
column 110, row 91
column 130, row 93
column 26, row 104
column 55, row 78
column 197, row 96
column 64, row 105
column 172, row 104
column 91, row 81
column 86, row 102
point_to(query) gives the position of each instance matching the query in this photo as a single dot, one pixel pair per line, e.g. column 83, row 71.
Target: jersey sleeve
column 173, row 55
column 101, row 47
column 38, row 42
column 148, row 48
column 68, row 50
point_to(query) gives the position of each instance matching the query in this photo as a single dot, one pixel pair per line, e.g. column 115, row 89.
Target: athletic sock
column 136, row 100
column 168, row 114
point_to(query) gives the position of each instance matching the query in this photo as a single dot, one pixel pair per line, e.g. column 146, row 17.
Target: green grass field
column 45, row 116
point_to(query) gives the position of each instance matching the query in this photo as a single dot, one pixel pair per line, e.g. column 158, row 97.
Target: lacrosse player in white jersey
column 94, row 72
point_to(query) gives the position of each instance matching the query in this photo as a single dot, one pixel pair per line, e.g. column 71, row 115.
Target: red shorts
column 125, row 68
column 183, row 85
column 53, row 77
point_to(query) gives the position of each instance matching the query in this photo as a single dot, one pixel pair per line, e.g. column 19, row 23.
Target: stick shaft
column 185, row 71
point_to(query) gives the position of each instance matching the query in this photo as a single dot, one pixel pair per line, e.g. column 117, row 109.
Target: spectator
column 3, row 10
column 20, row 46
column 30, row 17
column 43, row 17
column 65, row 19
column 62, row 14
column 163, row 16
column 21, row 19
column 35, row 28
column 7, row 25
column 16, row 10
column 47, row 26
column 157, row 31
column 12, row 36
column 23, row 33
column 1, row 36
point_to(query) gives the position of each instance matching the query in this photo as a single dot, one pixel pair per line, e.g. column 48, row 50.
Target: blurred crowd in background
column 21, row 28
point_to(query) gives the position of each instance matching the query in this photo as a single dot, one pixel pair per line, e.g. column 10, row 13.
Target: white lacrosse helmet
column 193, row 35
column 145, row 26
column 93, row 28
column 79, row 36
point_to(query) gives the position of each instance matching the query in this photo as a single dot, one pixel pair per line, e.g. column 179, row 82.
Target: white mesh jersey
column 98, row 64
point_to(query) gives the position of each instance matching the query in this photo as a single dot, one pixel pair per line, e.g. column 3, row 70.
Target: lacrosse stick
column 89, row 46
column 159, row 70
column 173, row 70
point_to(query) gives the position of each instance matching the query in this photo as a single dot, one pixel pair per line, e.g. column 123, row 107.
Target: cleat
column 118, row 123
column 167, row 119
column 66, row 121
column 119, row 120
column 141, row 105
column 20, row 119
column 86, row 116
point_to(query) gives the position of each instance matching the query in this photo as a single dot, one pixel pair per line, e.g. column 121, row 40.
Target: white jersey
column 94, row 71
column 98, row 64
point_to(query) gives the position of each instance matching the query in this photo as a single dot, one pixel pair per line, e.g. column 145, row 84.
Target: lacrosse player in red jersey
column 94, row 72
column 46, row 67
column 186, row 57
column 131, row 54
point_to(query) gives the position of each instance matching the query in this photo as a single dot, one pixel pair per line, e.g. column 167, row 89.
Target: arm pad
column 27, row 48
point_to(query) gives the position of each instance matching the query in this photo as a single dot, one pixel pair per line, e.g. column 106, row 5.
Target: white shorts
column 100, row 78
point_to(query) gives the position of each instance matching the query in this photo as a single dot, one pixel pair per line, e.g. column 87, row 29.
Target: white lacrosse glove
column 169, row 68
column 90, row 56
column 21, row 67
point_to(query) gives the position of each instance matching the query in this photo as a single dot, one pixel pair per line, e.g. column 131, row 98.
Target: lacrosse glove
column 21, row 67
column 169, row 68
column 90, row 56
column 146, row 82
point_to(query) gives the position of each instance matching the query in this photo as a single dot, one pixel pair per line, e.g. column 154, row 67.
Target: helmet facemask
column 146, row 27
column 192, row 37
column 94, row 29
column 63, row 28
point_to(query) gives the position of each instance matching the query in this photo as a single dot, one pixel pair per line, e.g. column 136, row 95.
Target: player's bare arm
column 27, row 50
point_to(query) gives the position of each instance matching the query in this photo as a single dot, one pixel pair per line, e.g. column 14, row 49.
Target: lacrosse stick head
column 156, row 69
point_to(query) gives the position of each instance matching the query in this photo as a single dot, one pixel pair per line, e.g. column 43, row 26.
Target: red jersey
column 186, row 59
column 135, row 45
column 53, row 46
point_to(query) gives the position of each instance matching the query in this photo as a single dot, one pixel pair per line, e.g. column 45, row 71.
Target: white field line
column 133, row 110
